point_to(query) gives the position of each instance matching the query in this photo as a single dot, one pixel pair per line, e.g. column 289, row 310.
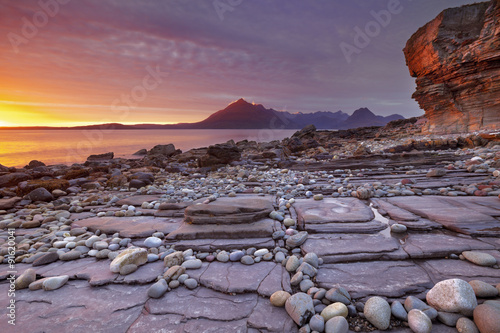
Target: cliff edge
column 456, row 60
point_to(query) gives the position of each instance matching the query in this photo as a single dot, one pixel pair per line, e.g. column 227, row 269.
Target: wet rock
column 453, row 295
column 378, row 312
column 165, row 150
column 300, row 308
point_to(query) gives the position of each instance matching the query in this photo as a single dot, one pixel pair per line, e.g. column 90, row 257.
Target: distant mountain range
column 244, row 115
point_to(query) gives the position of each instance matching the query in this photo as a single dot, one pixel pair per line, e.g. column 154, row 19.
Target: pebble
column 300, row 308
column 192, row 264
column 100, row 245
column 261, row 252
column 222, row 256
column 296, row 278
column 334, row 310
column 487, row 318
column 483, row 289
column 114, row 247
column 182, row 278
column 339, row 294
column 378, row 312
column 292, row 264
column 312, row 259
column 174, row 284
column 56, row 282
column 279, row 257
column 449, row 319
column 297, row 240
column 71, row 255
column 128, row 269
column 454, row 295
column 465, row 325
column 305, row 285
column 480, row 258
column 317, row 323
column 247, row 260
column 25, row 279
column 236, row 255
column 419, row 322
column 398, row 228
column 337, row 325
column 318, row 197
column 398, row 311
column 191, row 283
column 153, row 242
column 279, row 298
column 288, row 222
column 174, row 259
column 158, row 289
column 152, row 257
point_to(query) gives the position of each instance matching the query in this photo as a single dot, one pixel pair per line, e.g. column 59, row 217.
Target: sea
column 19, row 147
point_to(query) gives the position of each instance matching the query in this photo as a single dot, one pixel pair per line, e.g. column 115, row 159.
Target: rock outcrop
column 456, row 60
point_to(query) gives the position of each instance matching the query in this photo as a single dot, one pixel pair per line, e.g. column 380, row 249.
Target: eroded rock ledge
column 456, row 60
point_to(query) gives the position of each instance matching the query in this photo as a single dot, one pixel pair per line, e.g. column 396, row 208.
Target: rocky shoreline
column 358, row 230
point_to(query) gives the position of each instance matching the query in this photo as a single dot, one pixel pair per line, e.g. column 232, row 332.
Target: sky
column 75, row 62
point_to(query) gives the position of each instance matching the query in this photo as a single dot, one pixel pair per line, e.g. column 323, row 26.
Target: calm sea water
column 18, row 148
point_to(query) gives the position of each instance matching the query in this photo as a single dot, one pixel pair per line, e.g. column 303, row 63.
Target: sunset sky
column 96, row 61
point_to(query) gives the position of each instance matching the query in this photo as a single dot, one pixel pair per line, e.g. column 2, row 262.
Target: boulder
column 13, row 179
column 136, row 256
column 40, row 194
column 454, row 295
column 101, row 157
column 164, row 150
column 220, row 154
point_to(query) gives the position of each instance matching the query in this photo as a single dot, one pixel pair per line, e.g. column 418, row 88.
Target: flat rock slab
column 353, row 247
column 132, row 227
column 371, row 227
column 376, row 278
column 263, row 278
column 205, row 310
column 332, row 210
column 402, row 216
column 230, row 211
column 203, row 303
column 452, row 214
column 259, row 229
column 459, row 269
column 210, row 245
column 76, row 307
column 440, row 245
column 137, row 200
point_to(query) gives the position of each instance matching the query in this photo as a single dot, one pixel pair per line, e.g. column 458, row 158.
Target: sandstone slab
column 375, row 278
column 132, row 227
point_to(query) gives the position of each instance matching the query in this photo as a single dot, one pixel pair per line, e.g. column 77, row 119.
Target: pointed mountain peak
column 363, row 111
column 241, row 101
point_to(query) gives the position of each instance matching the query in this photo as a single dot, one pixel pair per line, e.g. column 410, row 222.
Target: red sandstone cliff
column 456, row 60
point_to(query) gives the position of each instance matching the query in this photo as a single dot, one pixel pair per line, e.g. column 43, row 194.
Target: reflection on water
column 18, row 147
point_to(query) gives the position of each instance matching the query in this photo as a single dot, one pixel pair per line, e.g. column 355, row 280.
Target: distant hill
column 244, row 115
